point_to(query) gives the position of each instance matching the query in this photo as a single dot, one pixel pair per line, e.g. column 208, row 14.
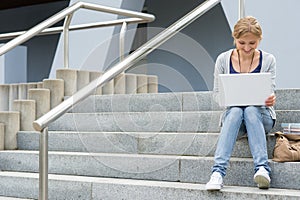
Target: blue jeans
column 256, row 121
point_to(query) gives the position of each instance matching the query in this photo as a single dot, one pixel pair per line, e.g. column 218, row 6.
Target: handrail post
column 43, row 165
column 122, row 40
column 241, row 9
column 66, row 40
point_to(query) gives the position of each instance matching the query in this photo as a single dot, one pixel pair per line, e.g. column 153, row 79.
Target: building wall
column 41, row 49
column 186, row 61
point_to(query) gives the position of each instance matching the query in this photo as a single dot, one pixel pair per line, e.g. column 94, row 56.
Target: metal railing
column 43, row 29
column 67, row 13
column 241, row 9
column 41, row 124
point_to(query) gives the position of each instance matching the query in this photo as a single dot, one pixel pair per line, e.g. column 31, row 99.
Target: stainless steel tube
column 241, row 9
column 55, row 30
column 43, row 165
column 66, row 40
column 122, row 40
column 61, row 15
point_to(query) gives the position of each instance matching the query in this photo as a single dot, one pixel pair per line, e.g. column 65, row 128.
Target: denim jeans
column 256, row 121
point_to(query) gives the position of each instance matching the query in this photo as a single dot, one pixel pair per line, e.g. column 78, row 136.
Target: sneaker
column 215, row 182
column 262, row 178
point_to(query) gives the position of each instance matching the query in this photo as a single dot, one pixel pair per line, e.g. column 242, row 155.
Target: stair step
column 11, row 198
column 88, row 188
column 195, row 144
column 191, row 169
column 286, row 99
column 199, row 121
column 207, row 121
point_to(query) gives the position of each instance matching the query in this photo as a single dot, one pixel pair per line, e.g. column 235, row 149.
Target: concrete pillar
column 142, row 83
column 83, row 78
column 4, row 97
column 152, row 84
column 11, row 119
column 56, row 87
column 42, row 100
column 22, row 91
column 108, row 88
column 31, row 86
column 131, row 84
column 13, row 95
column 2, row 129
column 26, row 108
column 39, row 85
column 119, row 84
column 70, row 80
column 93, row 76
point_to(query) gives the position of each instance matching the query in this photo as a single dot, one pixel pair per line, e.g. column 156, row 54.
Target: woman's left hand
column 271, row 100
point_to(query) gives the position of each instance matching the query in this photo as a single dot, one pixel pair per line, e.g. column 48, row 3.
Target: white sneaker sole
column 213, row 187
column 262, row 182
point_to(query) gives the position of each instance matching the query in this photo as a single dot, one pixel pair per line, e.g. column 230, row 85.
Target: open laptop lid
column 244, row 89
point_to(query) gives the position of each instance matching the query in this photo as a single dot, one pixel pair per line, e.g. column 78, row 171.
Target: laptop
column 244, row 89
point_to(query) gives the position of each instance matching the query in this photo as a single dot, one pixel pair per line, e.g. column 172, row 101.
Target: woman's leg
column 231, row 125
column 258, row 121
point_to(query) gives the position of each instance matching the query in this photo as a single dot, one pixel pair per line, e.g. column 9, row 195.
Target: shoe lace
column 216, row 178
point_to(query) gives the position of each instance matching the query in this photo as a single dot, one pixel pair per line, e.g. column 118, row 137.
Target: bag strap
column 293, row 137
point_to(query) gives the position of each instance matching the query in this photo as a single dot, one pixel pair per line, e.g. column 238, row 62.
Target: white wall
column 281, row 30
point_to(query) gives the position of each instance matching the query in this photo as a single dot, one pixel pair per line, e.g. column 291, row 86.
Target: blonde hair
column 247, row 25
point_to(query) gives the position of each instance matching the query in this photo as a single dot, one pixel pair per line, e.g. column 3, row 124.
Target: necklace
column 250, row 63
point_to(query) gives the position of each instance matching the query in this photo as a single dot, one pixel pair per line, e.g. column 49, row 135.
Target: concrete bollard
column 27, row 113
column 11, row 119
column 142, row 83
column 2, row 129
column 93, row 76
column 83, row 78
column 108, row 87
column 152, row 84
column 39, row 85
column 13, row 95
column 4, row 97
column 56, row 87
column 119, row 84
column 131, row 84
column 70, row 80
column 22, row 91
column 42, row 100
column 31, row 86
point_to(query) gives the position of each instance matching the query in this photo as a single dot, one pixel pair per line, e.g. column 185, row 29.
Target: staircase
column 144, row 146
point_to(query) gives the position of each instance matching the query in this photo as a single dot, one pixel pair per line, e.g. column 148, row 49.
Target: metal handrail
column 241, row 9
column 59, row 29
column 120, row 67
column 42, row 123
column 68, row 12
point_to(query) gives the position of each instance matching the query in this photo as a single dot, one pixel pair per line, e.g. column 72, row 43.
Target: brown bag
column 287, row 147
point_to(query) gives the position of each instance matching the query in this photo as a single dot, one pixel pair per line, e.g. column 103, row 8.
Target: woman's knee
column 234, row 113
column 252, row 113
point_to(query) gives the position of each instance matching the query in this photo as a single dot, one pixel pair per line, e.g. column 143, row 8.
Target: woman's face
column 247, row 43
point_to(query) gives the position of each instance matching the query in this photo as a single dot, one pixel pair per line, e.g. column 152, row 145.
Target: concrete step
column 11, row 198
column 195, row 144
column 188, row 169
column 286, row 99
column 199, row 121
column 205, row 121
column 89, row 188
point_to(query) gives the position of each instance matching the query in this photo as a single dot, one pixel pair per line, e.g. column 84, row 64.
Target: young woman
column 256, row 121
